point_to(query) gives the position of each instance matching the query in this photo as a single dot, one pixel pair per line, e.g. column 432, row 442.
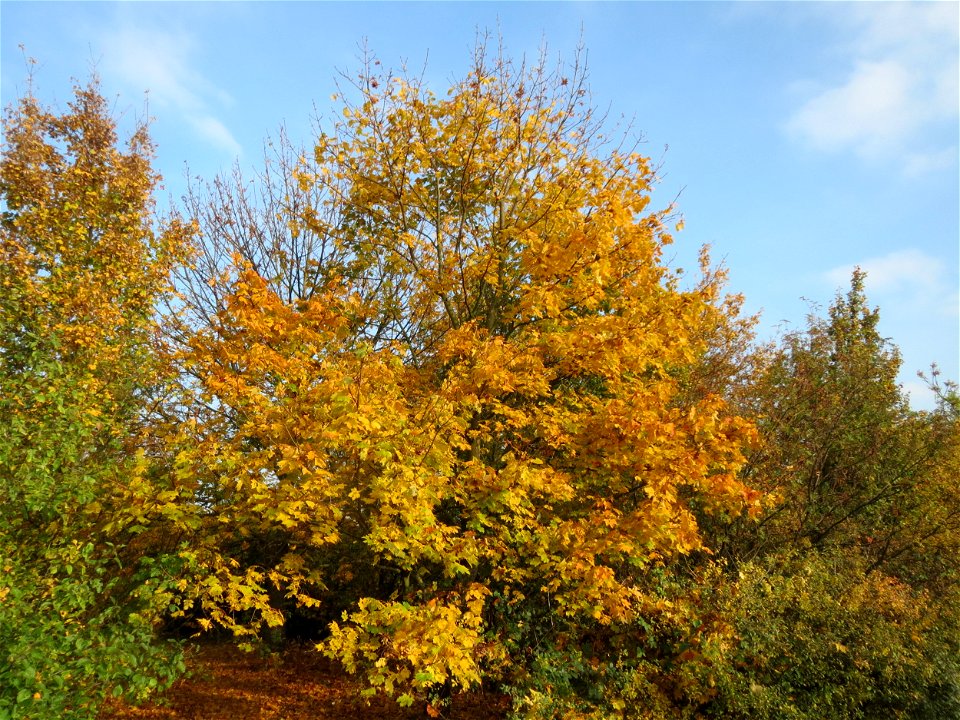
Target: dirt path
column 227, row 684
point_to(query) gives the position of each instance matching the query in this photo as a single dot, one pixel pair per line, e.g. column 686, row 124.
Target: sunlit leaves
column 412, row 647
column 85, row 564
column 481, row 396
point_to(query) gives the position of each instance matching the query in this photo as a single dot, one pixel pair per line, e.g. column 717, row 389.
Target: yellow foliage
column 483, row 393
column 414, row 646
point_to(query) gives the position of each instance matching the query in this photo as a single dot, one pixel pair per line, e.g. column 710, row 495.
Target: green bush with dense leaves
column 816, row 636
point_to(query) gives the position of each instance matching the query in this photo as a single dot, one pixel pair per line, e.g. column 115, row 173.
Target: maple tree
column 82, row 263
column 478, row 390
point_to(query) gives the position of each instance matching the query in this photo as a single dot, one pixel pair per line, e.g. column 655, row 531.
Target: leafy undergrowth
column 228, row 684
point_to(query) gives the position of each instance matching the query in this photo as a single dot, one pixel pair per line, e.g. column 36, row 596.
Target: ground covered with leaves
column 299, row 683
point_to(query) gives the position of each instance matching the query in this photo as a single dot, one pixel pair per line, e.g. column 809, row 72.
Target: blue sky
column 803, row 139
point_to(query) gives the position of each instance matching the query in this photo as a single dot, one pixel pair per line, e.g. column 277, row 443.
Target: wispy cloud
column 900, row 83
column 159, row 63
column 920, row 394
column 216, row 132
column 918, row 300
column 868, row 112
column 921, row 163
column 910, row 276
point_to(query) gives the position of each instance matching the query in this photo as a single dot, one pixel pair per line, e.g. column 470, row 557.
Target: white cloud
column 920, row 163
column 901, row 82
column 895, row 271
column 905, row 278
column 919, row 306
column 920, row 29
column 215, row 131
column 869, row 112
column 920, row 394
column 158, row 62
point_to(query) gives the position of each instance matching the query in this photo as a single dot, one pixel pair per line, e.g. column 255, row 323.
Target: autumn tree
column 850, row 462
column 470, row 424
column 842, row 600
column 83, row 260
